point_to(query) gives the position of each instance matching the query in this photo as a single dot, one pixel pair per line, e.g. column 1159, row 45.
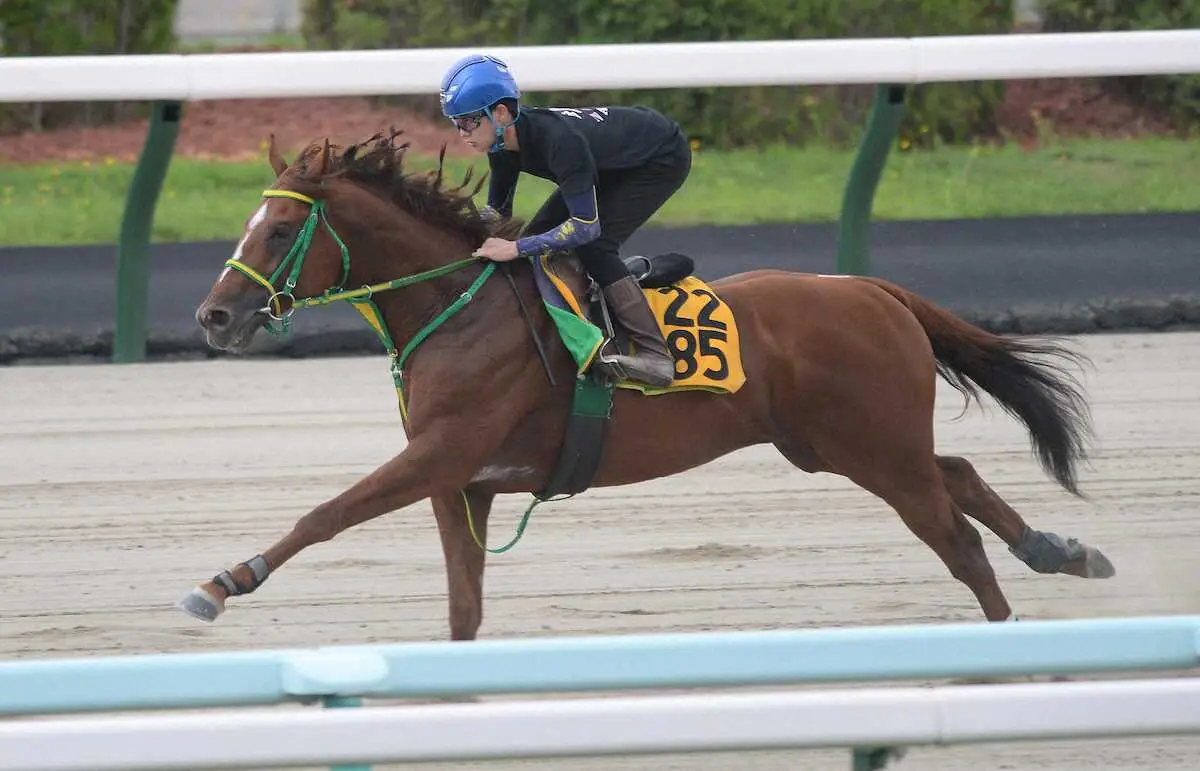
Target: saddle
column 699, row 328
column 562, row 286
column 656, row 272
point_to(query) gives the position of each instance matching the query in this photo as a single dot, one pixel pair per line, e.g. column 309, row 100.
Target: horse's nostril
column 216, row 318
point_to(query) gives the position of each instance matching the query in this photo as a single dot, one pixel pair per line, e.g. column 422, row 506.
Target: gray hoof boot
column 1051, row 553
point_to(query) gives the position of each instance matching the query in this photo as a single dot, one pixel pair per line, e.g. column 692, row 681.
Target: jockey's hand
column 497, row 249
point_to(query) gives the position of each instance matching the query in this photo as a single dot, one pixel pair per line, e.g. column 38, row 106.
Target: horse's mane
column 377, row 163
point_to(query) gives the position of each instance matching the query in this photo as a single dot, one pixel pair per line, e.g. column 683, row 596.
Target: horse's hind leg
column 464, row 557
column 1041, row 551
column 924, row 504
column 931, row 514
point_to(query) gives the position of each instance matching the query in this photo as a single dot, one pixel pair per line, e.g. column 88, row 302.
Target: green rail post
column 133, row 245
column 342, row 702
column 855, row 223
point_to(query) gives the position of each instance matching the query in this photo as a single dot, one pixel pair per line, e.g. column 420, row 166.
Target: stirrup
column 615, row 368
column 608, row 363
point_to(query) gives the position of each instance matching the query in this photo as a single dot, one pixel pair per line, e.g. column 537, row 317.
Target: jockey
column 613, row 167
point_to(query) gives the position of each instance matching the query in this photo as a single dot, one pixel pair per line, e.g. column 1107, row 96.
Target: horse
column 839, row 376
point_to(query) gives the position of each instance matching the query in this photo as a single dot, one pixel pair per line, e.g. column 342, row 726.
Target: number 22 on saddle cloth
column 698, row 326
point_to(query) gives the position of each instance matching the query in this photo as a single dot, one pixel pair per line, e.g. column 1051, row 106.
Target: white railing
column 858, row 718
column 890, row 63
column 187, row 77
column 891, row 717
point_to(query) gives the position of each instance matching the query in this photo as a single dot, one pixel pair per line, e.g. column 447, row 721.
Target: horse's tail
column 1040, row 393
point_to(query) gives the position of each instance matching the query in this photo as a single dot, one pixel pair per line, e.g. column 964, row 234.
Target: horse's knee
column 319, row 525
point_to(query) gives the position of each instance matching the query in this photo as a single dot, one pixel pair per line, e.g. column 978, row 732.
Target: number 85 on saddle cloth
column 701, row 334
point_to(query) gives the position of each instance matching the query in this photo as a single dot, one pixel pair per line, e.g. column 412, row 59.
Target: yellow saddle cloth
column 699, row 327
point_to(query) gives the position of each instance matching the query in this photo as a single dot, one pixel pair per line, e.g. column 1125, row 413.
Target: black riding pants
column 626, row 198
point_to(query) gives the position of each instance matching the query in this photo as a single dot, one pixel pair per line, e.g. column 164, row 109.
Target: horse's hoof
column 202, row 605
column 1092, row 564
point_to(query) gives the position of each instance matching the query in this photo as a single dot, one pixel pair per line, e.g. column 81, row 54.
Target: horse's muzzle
column 230, row 326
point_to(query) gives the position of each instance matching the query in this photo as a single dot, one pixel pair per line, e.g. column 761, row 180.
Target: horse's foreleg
column 464, row 557
column 427, row 466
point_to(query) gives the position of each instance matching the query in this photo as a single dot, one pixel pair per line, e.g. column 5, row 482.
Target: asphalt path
column 1057, row 274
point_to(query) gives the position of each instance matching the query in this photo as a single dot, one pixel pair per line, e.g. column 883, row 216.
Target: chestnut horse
column 840, row 378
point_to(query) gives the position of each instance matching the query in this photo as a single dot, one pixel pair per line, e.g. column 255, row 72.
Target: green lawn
column 79, row 203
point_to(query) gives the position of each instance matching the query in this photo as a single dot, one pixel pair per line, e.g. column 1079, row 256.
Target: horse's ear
column 277, row 161
column 323, row 161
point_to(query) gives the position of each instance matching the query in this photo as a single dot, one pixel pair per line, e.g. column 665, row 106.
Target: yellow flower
column 905, row 144
column 694, row 144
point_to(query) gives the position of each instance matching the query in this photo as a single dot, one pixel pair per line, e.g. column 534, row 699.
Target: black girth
column 591, row 404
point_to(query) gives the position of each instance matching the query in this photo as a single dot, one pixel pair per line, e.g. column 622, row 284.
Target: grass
column 201, row 200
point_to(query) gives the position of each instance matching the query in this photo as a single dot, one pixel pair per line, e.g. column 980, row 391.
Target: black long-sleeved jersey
column 570, row 146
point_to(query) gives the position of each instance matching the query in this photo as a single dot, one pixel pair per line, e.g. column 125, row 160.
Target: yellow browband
column 272, row 193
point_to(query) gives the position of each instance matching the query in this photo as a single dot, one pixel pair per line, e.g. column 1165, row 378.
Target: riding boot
column 651, row 362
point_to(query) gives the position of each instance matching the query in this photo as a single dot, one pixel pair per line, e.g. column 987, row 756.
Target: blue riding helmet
column 474, row 85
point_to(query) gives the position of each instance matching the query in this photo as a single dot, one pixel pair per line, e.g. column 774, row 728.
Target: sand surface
column 121, row 487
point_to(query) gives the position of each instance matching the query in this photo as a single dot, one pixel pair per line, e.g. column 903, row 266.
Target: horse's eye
column 280, row 232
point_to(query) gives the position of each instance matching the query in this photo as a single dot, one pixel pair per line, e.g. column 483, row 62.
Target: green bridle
column 293, row 263
column 361, row 299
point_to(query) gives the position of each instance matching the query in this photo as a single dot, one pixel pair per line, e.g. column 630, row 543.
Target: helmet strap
column 498, row 145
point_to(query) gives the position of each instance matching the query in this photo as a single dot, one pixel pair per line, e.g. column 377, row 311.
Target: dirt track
column 120, row 487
